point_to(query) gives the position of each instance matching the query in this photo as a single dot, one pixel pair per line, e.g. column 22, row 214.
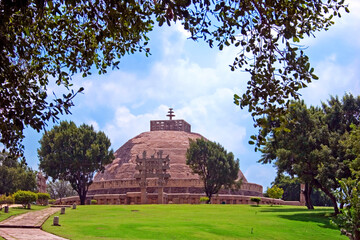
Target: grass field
column 17, row 210
column 194, row 222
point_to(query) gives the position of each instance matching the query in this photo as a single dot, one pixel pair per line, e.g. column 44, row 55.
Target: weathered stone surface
column 172, row 143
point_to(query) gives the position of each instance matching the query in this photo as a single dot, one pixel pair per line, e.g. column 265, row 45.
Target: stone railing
column 132, row 183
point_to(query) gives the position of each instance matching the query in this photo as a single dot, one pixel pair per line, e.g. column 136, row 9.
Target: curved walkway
column 27, row 226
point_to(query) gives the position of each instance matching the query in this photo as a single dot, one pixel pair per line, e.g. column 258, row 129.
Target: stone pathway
column 27, row 226
column 27, row 234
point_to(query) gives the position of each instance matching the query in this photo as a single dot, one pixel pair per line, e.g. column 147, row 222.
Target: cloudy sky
column 197, row 82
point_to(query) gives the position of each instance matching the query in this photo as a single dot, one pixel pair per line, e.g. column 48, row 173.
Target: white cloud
column 334, row 79
column 94, row 124
column 346, row 28
column 127, row 125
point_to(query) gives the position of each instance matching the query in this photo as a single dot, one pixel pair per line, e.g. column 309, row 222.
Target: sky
column 196, row 81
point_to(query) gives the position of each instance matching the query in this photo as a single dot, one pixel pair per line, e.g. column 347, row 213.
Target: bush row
column 25, row 198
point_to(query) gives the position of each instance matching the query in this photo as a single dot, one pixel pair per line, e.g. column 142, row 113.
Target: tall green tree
column 310, row 145
column 74, row 154
column 15, row 175
column 215, row 166
column 302, row 151
column 44, row 40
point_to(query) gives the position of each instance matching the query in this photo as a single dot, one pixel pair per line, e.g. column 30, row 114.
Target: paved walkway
column 27, row 234
column 27, row 226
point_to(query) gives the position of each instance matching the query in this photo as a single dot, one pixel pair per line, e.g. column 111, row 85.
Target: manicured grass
column 17, row 210
column 194, row 222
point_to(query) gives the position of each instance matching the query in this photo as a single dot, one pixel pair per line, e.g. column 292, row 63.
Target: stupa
column 151, row 168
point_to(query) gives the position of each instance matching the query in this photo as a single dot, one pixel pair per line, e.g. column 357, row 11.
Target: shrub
column 275, row 192
column 256, row 200
column 6, row 200
column 9, row 200
column 43, row 198
column 93, row 201
column 25, row 198
column 2, row 200
column 204, row 199
column 52, row 201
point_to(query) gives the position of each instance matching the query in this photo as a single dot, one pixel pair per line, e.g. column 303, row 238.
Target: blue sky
column 197, row 82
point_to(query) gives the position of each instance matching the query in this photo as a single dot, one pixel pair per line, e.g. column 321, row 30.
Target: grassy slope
column 194, row 222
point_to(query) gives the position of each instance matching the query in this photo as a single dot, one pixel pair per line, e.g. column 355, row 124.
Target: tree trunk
column 82, row 199
column 356, row 234
column 82, row 194
column 330, row 195
column 307, row 193
column 333, row 199
column 209, row 195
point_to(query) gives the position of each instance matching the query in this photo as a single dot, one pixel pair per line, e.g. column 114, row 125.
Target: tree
column 303, row 151
column 45, row 40
column 15, row 175
column 293, row 150
column 74, row 154
column 309, row 146
column 60, row 189
column 215, row 166
column 275, row 192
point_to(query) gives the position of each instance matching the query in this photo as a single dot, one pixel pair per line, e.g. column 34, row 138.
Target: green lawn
column 17, row 210
column 194, row 222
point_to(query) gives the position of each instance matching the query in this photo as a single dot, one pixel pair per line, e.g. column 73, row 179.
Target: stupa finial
column 170, row 115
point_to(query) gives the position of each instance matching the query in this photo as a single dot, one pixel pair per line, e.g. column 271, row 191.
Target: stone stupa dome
column 172, row 143
column 118, row 182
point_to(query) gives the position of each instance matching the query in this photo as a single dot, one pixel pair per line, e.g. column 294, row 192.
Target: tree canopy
column 215, row 166
column 15, row 175
column 44, row 41
column 275, row 192
column 311, row 145
column 351, row 143
column 74, row 154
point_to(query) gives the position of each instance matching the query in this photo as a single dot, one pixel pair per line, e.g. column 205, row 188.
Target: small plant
column 93, row 202
column 256, row 200
column 204, row 199
column 51, row 201
column 43, row 198
column 25, row 198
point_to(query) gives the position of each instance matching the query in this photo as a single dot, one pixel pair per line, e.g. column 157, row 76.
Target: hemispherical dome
column 172, row 143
